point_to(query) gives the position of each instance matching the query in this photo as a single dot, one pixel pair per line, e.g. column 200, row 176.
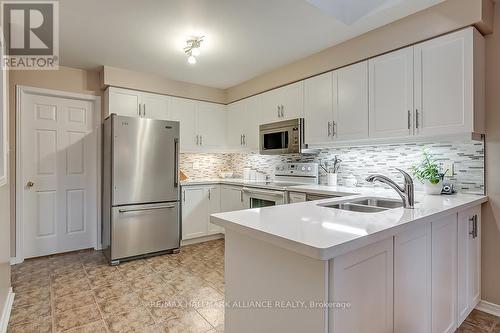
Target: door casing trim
column 96, row 100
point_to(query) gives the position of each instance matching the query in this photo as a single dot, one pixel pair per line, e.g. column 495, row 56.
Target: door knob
column 30, row 184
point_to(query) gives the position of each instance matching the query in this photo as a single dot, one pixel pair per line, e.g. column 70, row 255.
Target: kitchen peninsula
column 322, row 269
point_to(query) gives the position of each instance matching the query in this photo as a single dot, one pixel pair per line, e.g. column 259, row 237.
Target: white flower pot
column 433, row 189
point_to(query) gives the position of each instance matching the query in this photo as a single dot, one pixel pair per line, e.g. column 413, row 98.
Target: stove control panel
column 297, row 169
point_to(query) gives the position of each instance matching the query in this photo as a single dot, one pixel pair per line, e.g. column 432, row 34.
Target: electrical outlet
column 196, row 165
column 448, row 165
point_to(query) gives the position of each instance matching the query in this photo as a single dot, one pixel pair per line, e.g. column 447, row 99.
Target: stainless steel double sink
column 365, row 205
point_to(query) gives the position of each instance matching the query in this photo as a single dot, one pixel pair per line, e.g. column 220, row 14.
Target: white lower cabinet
column 424, row 280
column 198, row 202
column 295, row 197
column 364, row 278
column 444, row 274
column 214, row 206
column 412, row 280
column 469, row 261
column 231, row 198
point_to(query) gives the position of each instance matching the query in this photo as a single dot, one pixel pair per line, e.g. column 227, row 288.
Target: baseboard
column 4, row 319
column 15, row 261
column 201, row 239
column 488, row 307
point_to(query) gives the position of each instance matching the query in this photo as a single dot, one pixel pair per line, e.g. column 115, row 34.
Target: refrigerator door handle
column 176, row 162
column 145, row 208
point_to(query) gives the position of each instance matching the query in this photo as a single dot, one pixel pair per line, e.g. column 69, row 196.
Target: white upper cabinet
column 445, row 83
column 184, row 111
column 243, row 124
column 318, row 108
column 391, row 94
column 123, row 102
column 283, row 103
column 235, row 124
column 134, row 103
column 350, row 102
column 155, row 106
column 211, row 125
column 251, row 124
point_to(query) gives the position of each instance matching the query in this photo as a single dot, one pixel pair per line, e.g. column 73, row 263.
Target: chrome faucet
column 407, row 193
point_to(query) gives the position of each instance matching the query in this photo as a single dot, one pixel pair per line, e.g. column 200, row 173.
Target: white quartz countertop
column 324, row 233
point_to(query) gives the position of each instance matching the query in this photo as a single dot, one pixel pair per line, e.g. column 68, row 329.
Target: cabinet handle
column 144, row 110
column 184, row 195
column 140, row 110
column 241, row 139
column 474, row 231
column 197, row 140
column 209, row 194
column 409, row 119
column 241, row 195
column 329, row 129
column 244, row 139
column 282, row 112
column 417, row 120
column 278, row 109
column 201, row 140
column 334, row 125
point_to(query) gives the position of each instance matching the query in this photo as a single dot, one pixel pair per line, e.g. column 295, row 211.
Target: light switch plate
column 450, row 166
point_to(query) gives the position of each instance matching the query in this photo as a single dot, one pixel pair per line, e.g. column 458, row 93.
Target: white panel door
column 59, row 175
column 214, row 198
column 391, row 94
column 292, row 100
column 124, row 102
column 231, row 198
column 444, row 84
column 155, row 106
column 195, row 207
column 469, row 262
column 350, row 102
column 444, row 274
column 318, row 108
column 412, row 280
column 365, row 279
column 184, row 111
column 235, row 124
column 211, row 125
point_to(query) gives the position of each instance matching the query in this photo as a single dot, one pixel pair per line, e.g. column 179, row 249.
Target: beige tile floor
column 79, row 292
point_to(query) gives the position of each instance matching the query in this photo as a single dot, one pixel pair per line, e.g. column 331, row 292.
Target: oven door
column 258, row 198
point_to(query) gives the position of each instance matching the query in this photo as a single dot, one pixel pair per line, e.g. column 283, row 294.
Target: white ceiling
column 244, row 38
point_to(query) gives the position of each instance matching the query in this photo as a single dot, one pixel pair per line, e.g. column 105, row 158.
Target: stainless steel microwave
column 283, row 137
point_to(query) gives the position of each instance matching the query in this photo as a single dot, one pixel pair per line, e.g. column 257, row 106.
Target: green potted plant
column 427, row 171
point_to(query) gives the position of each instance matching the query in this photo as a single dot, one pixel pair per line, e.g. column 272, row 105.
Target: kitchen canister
column 332, row 179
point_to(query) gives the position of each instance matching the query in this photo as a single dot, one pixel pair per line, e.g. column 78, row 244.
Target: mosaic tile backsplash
column 468, row 159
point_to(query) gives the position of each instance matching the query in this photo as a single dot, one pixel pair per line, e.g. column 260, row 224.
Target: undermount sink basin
column 355, row 208
column 365, row 205
column 378, row 202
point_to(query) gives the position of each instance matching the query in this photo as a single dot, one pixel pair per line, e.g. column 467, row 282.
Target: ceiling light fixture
column 193, row 48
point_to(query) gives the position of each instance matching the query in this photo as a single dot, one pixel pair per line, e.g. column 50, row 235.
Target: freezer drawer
column 142, row 229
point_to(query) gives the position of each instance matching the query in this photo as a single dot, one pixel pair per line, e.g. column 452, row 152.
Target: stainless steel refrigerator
column 141, row 196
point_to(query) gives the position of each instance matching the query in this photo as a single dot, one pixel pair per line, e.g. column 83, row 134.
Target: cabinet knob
column 30, row 184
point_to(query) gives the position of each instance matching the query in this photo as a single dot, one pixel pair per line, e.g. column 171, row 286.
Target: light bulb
column 195, row 51
column 192, row 60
